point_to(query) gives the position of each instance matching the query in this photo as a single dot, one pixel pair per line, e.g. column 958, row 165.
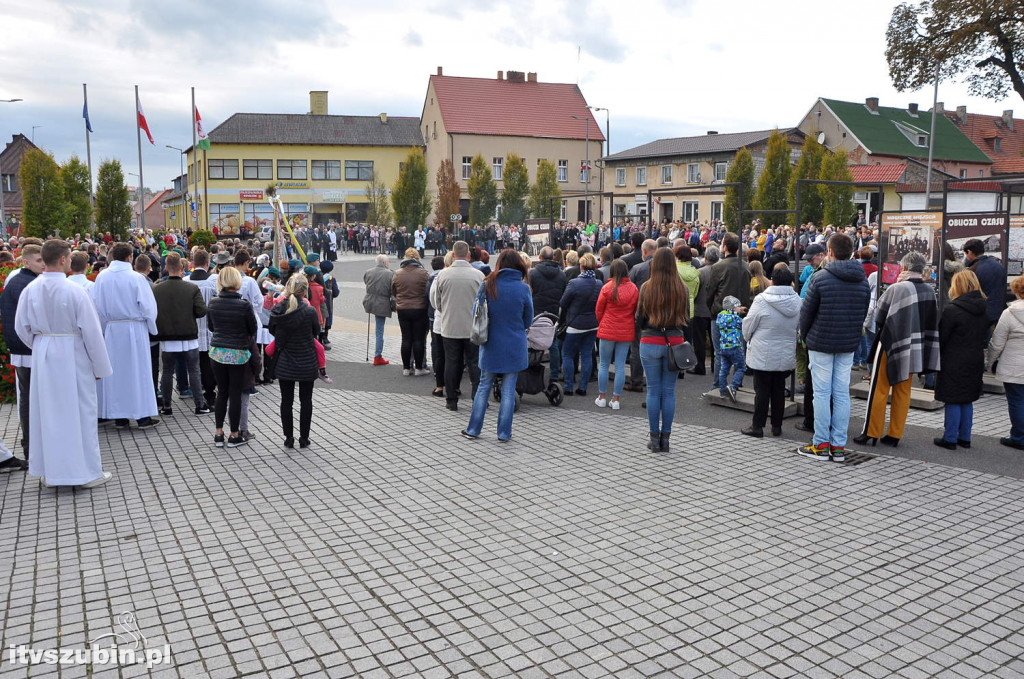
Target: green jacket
column 691, row 277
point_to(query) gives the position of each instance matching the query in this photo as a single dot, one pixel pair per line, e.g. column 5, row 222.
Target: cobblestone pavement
column 395, row 548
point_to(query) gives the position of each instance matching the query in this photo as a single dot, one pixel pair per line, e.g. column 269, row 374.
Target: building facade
column 10, row 164
column 514, row 112
column 320, row 166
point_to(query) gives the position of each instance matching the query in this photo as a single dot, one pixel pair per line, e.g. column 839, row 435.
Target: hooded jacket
column 770, row 329
column 409, row 285
column 547, row 281
column 832, row 315
column 963, row 329
column 1007, row 345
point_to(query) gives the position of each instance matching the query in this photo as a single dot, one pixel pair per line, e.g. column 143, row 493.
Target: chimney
column 440, row 71
column 712, row 132
column 872, row 104
column 961, row 114
column 516, row 77
column 383, row 118
column 531, row 77
column 318, row 102
column 940, row 108
column 1008, row 120
column 501, row 75
column 912, row 109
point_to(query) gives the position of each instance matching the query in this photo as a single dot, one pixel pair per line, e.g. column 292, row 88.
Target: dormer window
column 997, row 144
column 922, row 140
column 914, row 135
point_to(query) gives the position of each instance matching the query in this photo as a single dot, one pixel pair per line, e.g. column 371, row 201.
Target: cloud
column 413, row 39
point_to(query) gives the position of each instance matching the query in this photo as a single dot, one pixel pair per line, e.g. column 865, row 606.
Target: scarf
column 909, row 276
column 589, row 273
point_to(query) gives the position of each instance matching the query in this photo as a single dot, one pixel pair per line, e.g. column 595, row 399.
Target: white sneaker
column 406, row 372
column 600, row 402
column 614, row 405
column 100, row 481
column 420, row 372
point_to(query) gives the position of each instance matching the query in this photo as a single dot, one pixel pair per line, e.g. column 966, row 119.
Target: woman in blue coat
column 510, row 313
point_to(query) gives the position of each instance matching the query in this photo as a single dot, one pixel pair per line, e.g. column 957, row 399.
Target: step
column 921, row 399
column 745, row 402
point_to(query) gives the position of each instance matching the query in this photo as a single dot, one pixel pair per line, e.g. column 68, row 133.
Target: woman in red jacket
column 616, row 308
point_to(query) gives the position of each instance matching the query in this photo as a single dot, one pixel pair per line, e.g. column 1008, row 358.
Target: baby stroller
column 533, row 380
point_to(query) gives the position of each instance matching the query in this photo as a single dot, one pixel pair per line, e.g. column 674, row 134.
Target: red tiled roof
column 517, row 109
column 158, row 198
column 878, row 174
column 983, row 129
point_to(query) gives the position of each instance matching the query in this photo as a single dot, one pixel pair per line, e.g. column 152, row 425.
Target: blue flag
column 85, row 114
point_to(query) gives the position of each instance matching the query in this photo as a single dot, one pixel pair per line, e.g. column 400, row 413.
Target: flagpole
column 195, row 168
column 88, row 158
column 138, row 138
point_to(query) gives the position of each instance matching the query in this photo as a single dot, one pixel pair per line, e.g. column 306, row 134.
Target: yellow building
column 319, row 164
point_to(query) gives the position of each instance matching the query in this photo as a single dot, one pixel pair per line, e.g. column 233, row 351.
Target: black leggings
column 769, row 392
column 413, row 323
column 305, row 407
column 229, row 393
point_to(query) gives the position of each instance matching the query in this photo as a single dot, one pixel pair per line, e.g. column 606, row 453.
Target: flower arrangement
column 8, row 389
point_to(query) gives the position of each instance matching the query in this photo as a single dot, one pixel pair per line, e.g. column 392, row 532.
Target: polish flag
column 143, row 125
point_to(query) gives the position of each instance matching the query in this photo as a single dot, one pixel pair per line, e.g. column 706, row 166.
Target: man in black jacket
column 991, row 275
column 729, row 278
column 548, row 281
column 634, row 257
column 21, row 355
column 178, row 304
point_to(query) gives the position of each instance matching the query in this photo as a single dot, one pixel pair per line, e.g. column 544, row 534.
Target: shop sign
column 332, row 197
column 250, row 194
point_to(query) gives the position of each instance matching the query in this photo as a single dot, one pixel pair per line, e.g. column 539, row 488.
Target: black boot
column 663, row 441
column 654, row 444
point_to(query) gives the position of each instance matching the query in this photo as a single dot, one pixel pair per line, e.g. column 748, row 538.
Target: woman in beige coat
column 1006, row 359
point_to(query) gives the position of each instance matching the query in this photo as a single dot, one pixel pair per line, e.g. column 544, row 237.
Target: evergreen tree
column 837, row 201
column 113, row 211
column 517, row 186
column 483, row 192
column 43, row 208
column 808, row 167
column 409, row 196
column 545, row 192
column 773, row 183
column 74, row 175
column 449, row 193
column 741, row 170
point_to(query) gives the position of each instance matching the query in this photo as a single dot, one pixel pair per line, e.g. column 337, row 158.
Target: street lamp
column 607, row 152
column 586, row 182
column 181, row 178
column 138, row 191
column 3, row 219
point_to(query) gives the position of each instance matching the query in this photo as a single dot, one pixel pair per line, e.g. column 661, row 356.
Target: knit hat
column 730, row 303
column 294, row 264
column 327, row 267
column 310, row 270
column 273, row 271
column 312, row 257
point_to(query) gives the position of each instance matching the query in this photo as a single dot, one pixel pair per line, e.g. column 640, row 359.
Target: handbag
column 481, row 317
column 680, row 356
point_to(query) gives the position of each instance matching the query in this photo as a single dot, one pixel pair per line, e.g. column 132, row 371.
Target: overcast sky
column 664, row 68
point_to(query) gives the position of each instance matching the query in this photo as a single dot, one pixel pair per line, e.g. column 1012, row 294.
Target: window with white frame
column 7, row 182
column 666, row 174
column 291, row 169
column 716, row 209
column 561, row 213
column 584, row 172
column 963, row 174
column 721, row 169
column 496, row 166
column 467, row 166
column 563, row 172
column 641, row 176
column 620, row 176
column 690, row 210
column 693, row 173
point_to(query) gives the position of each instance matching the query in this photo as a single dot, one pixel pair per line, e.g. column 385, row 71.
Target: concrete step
column 922, row 399
column 745, row 402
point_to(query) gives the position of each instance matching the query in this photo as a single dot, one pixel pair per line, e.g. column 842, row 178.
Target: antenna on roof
column 579, row 53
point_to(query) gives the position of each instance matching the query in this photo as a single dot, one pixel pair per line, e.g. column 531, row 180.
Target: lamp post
column 138, row 192
column 586, row 181
column 181, row 178
column 607, row 151
column 3, row 218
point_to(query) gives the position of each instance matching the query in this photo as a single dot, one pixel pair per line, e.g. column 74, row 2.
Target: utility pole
column 931, row 141
column 586, row 181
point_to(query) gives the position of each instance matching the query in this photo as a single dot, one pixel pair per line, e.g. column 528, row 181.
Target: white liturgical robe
column 57, row 320
column 127, row 310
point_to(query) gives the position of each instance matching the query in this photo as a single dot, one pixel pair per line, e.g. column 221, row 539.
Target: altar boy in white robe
column 57, row 319
column 127, row 310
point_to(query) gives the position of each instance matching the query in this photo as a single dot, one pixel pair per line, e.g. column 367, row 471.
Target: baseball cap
column 814, row 249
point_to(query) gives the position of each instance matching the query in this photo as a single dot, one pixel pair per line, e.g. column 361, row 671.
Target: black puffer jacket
column 547, row 281
column 9, row 308
column 963, row 330
column 231, row 320
column 294, row 351
column 832, row 315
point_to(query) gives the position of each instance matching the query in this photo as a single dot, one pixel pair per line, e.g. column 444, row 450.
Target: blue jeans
column 1015, row 402
column 728, row 358
column 555, row 353
column 379, row 347
column 661, row 387
column 830, row 377
column 505, row 410
column 612, row 351
column 959, row 420
column 578, row 344
column 864, row 348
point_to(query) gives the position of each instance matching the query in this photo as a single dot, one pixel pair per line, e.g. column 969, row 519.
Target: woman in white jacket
column 1006, row 358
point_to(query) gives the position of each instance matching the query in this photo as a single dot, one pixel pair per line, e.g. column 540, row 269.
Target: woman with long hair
column 616, row 310
column 661, row 313
column 758, row 281
column 510, row 314
column 295, row 326
column 233, row 324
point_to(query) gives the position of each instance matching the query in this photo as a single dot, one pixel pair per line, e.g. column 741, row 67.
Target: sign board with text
column 250, row 194
column 332, row 197
column 903, row 232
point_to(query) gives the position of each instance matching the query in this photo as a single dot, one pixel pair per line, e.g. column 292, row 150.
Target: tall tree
column 545, row 192
column 448, row 193
column 379, row 212
column 741, row 170
column 980, row 41
column 483, row 192
column 773, row 183
column 113, row 211
column 517, row 186
column 837, row 201
column 44, row 211
column 808, row 167
column 409, row 196
column 74, row 175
